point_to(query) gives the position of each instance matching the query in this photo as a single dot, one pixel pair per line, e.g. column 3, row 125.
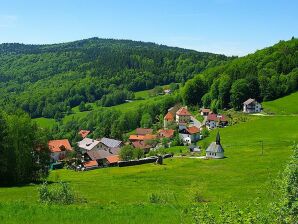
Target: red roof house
column 169, row 117
column 166, row 133
column 84, row 133
column 90, row 164
column 193, row 130
column 183, row 112
column 59, row 145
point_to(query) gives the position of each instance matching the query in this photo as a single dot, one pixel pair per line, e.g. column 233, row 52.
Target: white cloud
column 7, row 20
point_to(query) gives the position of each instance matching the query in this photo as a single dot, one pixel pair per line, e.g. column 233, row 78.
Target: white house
column 88, row 144
column 216, row 120
column 252, row 106
column 215, row 150
column 190, row 135
column 59, row 148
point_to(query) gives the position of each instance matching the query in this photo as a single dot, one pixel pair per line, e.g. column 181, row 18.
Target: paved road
column 196, row 122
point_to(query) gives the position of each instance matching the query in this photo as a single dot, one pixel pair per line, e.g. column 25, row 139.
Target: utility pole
column 262, row 146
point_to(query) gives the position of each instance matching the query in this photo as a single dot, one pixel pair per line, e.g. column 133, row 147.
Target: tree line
column 48, row 80
column 265, row 75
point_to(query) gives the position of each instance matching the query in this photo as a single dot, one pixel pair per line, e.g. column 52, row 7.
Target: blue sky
column 222, row 26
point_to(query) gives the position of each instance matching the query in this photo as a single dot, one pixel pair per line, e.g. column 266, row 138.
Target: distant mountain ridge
column 47, row 80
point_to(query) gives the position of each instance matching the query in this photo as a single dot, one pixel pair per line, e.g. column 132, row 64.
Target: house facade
column 216, row 120
column 183, row 116
column 168, row 120
column 59, row 148
column 252, row 106
column 190, row 135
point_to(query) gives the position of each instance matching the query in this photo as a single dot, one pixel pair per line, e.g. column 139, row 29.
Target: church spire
column 218, row 138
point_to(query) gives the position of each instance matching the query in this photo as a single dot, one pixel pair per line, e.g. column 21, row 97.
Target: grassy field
column 121, row 195
column 285, row 105
column 124, row 193
column 48, row 123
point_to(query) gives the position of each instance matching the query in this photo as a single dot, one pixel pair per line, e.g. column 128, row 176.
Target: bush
column 59, row 194
column 155, row 199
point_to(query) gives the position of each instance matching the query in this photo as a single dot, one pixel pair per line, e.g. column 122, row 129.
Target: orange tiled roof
column 90, row 163
column 84, row 133
column 57, row 145
column 142, row 137
column 169, row 117
column 193, row 130
column 136, row 137
column 183, row 112
column 113, row 159
column 166, row 133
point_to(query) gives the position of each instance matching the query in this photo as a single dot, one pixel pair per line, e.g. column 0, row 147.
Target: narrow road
column 196, row 122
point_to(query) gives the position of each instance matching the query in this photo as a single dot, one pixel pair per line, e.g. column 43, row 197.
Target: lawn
column 121, row 195
column 285, row 105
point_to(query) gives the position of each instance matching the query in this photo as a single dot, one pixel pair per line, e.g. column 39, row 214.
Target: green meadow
column 142, row 97
column 121, row 194
column 285, row 105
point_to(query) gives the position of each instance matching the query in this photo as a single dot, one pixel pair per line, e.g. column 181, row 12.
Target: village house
column 252, row 106
column 205, row 112
column 100, row 155
column 168, row 120
column 108, row 143
column 216, row 120
column 190, row 134
column 59, row 148
column 166, row 133
column 215, row 150
column 84, row 133
column 88, row 144
column 183, row 116
column 145, row 142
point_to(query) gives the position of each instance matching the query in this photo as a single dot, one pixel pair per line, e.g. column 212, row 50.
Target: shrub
column 155, row 198
column 59, row 194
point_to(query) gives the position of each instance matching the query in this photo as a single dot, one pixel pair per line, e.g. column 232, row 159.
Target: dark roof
column 109, row 152
column 144, row 131
column 213, row 147
column 93, row 154
column 111, row 143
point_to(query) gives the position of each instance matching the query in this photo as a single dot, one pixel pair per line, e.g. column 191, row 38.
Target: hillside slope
column 265, row 75
column 284, row 105
column 47, row 80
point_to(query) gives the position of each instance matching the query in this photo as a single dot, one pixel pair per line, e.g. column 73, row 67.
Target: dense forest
column 265, row 75
column 48, row 80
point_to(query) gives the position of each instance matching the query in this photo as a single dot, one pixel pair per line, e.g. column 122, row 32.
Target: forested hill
column 47, row 80
column 265, row 75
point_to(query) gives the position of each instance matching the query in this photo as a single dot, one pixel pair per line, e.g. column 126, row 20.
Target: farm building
column 252, row 106
column 190, row 134
column 166, row 133
column 215, row 150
